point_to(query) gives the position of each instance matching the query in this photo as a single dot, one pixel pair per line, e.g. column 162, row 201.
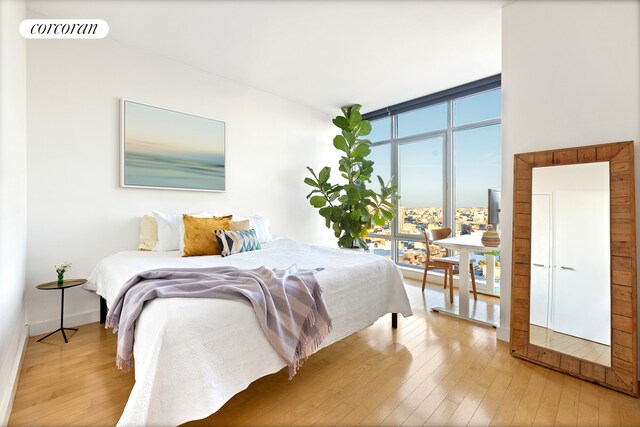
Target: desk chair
column 450, row 265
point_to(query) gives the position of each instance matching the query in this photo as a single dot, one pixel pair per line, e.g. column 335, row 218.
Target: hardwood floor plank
column 442, row 413
column 608, row 408
column 530, row 401
column 588, row 406
column 550, row 400
column 629, row 411
column 417, row 408
column 511, row 400
column 370, row 407
column 491, row 401
column 569, row 402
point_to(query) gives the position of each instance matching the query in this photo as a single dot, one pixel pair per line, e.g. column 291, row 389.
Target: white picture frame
column 166, row 149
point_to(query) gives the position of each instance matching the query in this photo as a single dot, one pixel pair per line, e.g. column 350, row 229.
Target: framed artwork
column 166, row 149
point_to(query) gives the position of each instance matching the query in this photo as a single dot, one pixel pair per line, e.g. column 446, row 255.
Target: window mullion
column 395, row 181
column 449, row 212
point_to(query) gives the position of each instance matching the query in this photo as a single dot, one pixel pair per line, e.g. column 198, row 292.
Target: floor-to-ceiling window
column 444, row 153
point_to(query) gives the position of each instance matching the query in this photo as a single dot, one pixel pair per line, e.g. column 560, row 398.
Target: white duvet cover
column 192, row 355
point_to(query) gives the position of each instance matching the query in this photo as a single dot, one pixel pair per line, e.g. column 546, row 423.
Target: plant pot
column 353, row 249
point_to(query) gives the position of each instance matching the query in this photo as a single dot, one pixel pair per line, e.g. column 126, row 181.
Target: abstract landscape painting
column 167, row 149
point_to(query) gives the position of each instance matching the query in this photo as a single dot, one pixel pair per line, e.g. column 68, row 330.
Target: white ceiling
column 323, row 54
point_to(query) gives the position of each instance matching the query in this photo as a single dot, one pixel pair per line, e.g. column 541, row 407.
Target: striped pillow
column 234, row 242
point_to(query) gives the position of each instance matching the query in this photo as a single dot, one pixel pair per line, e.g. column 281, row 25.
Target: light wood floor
column 432, row 370
column 579, row 347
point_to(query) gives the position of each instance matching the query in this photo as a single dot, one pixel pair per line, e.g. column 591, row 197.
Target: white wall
column 569, row 77
column 78, row 212
column 13, row 200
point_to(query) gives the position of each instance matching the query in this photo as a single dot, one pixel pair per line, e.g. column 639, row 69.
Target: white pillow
column 261, row 225
column 148, row 233
column 168, row 231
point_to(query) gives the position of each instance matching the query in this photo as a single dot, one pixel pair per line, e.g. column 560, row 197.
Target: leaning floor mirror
column 573, row 293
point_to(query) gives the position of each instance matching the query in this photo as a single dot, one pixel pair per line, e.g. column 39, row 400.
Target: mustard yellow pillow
column 198, row 234
column 243, row 225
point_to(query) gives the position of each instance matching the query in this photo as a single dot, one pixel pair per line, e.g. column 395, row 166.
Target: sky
column 477, row 152
column 152, row 129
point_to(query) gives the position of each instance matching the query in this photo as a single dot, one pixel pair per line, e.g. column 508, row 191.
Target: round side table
column 61, row 287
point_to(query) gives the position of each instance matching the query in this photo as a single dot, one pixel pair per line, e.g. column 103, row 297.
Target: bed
column 192, row 355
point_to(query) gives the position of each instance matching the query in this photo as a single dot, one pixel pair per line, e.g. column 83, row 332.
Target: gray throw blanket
column 288, row 304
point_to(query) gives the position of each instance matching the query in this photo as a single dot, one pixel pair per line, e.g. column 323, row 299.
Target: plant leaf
column 310, row 182
column 341, row 122
column 353, row 193
column 355, row 118
column 325, row 212
column 324, row 175
column 362, row 150
column 365, row 128
column 341, row 143
column 336, row 229
column 349, row 137
column 318, row 201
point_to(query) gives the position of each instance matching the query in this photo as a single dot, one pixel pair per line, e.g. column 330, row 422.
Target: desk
column 465, row 245
column 49, row 286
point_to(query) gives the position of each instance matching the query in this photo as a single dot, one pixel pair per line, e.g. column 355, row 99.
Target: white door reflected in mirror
column 570, row 261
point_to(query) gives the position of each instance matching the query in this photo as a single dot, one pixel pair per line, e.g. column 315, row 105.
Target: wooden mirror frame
column 622, row 375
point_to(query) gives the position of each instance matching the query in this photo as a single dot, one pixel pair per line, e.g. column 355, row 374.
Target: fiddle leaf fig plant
column 349, row 207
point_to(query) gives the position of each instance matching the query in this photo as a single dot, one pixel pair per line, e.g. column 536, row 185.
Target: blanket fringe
column 112, row 322
column 122, row 364
column 308, row 345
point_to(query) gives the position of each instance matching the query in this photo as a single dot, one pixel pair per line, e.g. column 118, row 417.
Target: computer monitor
column 494, row 208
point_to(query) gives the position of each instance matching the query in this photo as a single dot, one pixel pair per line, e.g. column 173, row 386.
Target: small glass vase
column 60, row 278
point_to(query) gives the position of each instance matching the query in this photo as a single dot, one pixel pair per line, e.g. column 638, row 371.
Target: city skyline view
column 414, row 221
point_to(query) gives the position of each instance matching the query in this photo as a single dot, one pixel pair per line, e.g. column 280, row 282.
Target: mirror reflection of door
column 570, row 263
column 540, row 259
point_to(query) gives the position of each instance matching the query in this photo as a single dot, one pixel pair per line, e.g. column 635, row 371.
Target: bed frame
column 103, row 310
column 103, row 314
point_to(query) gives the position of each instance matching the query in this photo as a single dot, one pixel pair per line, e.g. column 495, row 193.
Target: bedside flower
column 61, row 269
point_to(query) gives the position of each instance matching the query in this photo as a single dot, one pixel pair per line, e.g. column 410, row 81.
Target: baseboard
column 38, row 328
column 435, row 278
column 7, row 405
column 412, row 273
column 502, row 333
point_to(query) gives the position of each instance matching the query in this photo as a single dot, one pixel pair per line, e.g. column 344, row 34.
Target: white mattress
column 192, row 355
